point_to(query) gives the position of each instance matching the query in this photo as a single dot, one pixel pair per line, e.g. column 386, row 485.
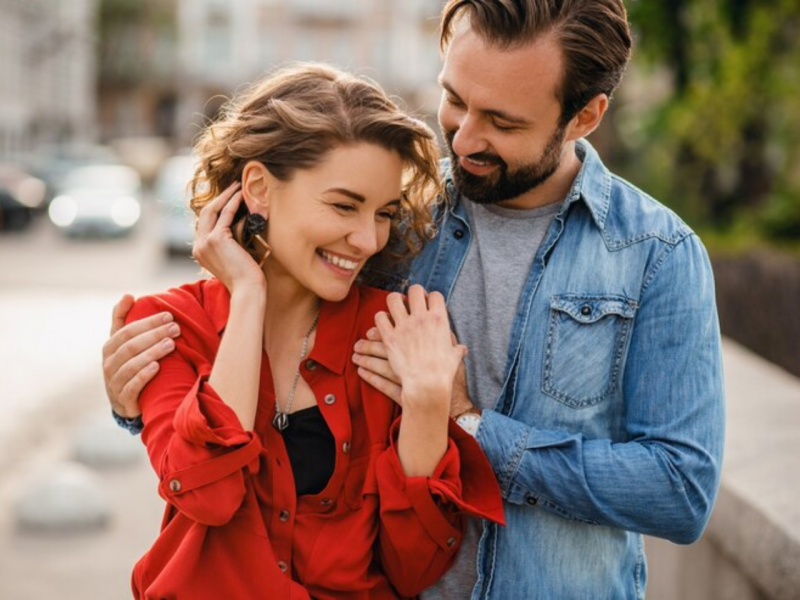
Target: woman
column 287, row 476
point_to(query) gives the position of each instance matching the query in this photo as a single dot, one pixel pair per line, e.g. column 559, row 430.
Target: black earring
column 254, row 226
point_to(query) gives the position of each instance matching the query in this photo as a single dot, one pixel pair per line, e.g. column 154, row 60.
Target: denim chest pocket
column 586, row 341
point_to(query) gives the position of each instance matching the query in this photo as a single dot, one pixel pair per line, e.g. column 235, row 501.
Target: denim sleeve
column 661, row 477
column 132, row 425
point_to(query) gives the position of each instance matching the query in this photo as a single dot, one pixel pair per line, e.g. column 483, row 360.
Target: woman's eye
column 388, row 214
column 344, row 207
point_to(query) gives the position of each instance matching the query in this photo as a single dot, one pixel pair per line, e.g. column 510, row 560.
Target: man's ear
column 256, row 183
column 588, row 118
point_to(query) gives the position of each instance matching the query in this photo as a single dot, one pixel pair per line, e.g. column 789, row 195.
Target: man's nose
column 468, row 138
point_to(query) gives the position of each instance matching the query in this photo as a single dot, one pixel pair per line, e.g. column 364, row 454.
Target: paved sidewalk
column 86, row 565
column 50, row 385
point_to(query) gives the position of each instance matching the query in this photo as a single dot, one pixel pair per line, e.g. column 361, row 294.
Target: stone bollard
column 66, row 497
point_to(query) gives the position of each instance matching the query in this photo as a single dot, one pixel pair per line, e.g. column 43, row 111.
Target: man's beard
column 503, row 184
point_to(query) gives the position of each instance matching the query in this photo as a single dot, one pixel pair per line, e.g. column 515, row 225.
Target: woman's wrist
column 428, row 399
column 422, row 441
column 249, row 290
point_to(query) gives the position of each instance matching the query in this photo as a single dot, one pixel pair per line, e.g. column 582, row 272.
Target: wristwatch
column 470, row 420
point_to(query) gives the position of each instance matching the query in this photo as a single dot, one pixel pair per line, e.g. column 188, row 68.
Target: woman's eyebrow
column 345, row 192
column 358, row 197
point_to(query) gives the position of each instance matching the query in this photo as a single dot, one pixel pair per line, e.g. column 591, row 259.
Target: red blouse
column 234, row 526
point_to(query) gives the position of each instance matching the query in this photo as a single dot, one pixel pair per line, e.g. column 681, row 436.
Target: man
column 593, row 381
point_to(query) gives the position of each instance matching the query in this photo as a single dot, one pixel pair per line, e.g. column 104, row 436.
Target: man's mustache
column 487, row 158
column 478, row 156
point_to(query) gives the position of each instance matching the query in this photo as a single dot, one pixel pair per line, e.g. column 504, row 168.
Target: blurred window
column 217, row 38
column 268, row 23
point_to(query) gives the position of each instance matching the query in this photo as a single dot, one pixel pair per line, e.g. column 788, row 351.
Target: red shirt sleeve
column 196, row 444
column 421, row 518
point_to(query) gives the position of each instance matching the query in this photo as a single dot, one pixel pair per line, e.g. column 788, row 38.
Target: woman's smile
column 338, row 263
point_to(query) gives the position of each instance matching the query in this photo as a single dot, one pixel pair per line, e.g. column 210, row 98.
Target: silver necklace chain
column 281, row 419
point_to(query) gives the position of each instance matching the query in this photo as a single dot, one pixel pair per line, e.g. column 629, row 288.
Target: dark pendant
column 281, row 421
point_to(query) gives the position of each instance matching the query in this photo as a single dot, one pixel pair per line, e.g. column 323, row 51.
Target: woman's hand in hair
column 216, row 250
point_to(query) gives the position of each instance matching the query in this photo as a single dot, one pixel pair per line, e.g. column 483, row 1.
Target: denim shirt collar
column 592, row 185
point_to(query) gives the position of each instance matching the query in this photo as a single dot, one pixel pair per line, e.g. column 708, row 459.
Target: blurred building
column 138, row 79
column 47, row 73
column 167, row 64
column 225, row 44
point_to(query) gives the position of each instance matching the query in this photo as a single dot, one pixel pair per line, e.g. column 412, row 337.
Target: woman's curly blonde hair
column 293, row 118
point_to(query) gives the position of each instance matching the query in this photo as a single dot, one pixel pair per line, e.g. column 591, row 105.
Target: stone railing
column 751, row 548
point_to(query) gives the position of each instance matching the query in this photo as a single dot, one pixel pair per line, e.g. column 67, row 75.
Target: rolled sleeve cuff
column 205, row 419
column 204, row 471
column 461, row 484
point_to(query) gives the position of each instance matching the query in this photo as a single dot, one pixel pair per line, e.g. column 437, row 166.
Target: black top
column 311, row 449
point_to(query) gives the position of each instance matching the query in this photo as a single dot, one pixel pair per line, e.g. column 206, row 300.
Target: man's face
column 500, row 116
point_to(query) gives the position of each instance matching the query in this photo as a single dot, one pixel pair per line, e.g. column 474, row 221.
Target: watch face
column 469, row 423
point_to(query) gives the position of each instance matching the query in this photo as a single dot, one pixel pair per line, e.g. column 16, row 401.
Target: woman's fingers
column 383, row 323
column 436, row 302
column 397, row 307
column 208, row 216
column 417, row 302
column 229, row 211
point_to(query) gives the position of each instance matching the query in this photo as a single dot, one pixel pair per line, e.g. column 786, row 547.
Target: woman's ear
column 256, row 182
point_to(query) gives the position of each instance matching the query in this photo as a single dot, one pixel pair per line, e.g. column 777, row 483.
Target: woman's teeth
column 342, row 263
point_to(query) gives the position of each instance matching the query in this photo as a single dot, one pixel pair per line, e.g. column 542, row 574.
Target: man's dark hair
column 594, row 36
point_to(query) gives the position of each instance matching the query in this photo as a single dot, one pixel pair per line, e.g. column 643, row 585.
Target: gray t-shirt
column 482, row 307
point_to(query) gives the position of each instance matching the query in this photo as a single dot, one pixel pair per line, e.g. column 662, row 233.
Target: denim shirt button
column 458, row 234
column 532, row 501
column 586, row 310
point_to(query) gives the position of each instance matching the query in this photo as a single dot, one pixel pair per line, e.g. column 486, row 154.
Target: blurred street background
column 99, row 103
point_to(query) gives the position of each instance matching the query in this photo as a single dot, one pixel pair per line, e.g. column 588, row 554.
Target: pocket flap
column 588, row 309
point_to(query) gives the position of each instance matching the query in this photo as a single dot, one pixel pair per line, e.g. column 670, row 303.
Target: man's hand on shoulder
column 131, row 355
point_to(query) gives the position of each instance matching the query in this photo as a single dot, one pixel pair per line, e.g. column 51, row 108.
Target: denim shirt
column 610, row 422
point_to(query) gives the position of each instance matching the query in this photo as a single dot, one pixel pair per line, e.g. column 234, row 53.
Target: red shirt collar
column 336, row 323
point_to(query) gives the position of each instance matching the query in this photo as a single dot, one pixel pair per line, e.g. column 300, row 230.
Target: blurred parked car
column 172, row 195
column 54, row 162
column 98, row 200
column 14, row 216
column 21, row 195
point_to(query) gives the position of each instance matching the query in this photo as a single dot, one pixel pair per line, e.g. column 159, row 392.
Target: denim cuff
column 133, row 425
column 504, row 441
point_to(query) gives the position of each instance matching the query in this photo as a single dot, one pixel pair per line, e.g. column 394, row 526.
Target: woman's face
column 327, row 221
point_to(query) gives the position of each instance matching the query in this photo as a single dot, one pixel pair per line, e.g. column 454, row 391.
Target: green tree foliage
column 723, row 146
